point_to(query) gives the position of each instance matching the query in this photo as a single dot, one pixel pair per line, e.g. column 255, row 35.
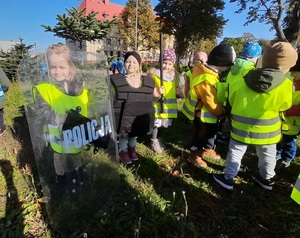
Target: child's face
column 296, row 75
column 131, row 65
column 59, row 67
column 168, row 66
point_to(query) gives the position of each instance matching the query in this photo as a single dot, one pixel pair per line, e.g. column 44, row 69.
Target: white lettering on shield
column 84, row 134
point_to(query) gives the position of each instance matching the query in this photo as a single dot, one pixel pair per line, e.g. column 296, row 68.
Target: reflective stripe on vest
column 170, row 108
column 191, row 100
column 60, row 103
column 296, row 191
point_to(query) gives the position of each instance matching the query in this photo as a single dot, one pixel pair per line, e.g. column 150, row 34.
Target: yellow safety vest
column 258, row 122
column 189, row 75
column 191, row 100
column 296, row 191
column 60, row 103
column 170, row 108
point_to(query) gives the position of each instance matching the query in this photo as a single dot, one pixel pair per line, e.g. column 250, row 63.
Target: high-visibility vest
column 255, row 116
column 60, row 103
column 189, row 75
column 296, row 191
column 191, row 101
column 170, row 108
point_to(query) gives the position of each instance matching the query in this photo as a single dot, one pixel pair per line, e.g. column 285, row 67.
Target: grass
column 158, row 196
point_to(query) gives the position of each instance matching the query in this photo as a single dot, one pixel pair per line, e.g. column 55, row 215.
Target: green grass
column 151, row 201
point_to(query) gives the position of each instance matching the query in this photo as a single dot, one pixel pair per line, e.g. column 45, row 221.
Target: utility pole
column 136, row 23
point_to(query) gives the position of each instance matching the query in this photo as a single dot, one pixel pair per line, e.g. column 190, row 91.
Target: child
column 249, row 56
column 256, row 101
column 202, row 102
column 52, row 102
column 4, row 86
column 167, row 110
column 188, row 77
column 120, row 66
column 133, row 106
column 287, row 147
column 113, row 66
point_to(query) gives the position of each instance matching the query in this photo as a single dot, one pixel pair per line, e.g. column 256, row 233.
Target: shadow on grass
column 12, row 225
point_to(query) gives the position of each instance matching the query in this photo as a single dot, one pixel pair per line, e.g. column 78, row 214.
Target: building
column 7, row 45
column 112, row 46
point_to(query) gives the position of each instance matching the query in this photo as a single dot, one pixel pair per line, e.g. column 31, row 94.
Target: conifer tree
column 78, row 27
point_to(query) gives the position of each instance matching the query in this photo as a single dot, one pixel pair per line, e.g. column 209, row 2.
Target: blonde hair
column 64, row 52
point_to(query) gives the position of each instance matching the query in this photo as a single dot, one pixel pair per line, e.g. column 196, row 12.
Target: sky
column 23, row 19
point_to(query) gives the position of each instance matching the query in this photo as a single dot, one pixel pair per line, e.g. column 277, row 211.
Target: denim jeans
column 126, row 142
column 266, row 159
column 287, row 148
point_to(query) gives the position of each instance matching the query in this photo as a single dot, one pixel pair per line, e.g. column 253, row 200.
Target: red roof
column 106, row 10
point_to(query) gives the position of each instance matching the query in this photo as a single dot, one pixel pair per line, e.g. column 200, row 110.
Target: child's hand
column 158, row 92
column 179, row 92
column 161, row 90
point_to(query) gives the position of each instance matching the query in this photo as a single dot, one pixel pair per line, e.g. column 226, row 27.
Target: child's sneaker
column 281, row 164
column 2, row 130
column 225, row 183
column 124, row 158
column 195, row 157
column 285, row 164
column 210, row 153
column 264, row 183
column 132, row 154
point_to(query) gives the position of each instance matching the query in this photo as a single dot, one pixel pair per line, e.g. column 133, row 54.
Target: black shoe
column 225, row 183
column 264, row 183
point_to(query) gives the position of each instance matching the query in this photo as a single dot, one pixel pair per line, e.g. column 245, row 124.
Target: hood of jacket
column 203, row 68
column 239, row 64
column 264, row 80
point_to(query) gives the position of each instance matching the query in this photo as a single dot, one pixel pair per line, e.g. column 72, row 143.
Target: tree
column 291, row 22
column 239, row 42
column 265, row 11
column 78, row 27
column 11, row 59
column 189, row 19
column 148, row 27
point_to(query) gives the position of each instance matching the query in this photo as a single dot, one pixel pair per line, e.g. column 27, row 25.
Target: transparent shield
column 69, row 113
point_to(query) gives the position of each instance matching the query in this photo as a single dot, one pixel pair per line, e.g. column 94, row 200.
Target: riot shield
column 69, row 113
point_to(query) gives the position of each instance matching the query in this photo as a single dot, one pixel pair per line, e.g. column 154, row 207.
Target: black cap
column 222, row 55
